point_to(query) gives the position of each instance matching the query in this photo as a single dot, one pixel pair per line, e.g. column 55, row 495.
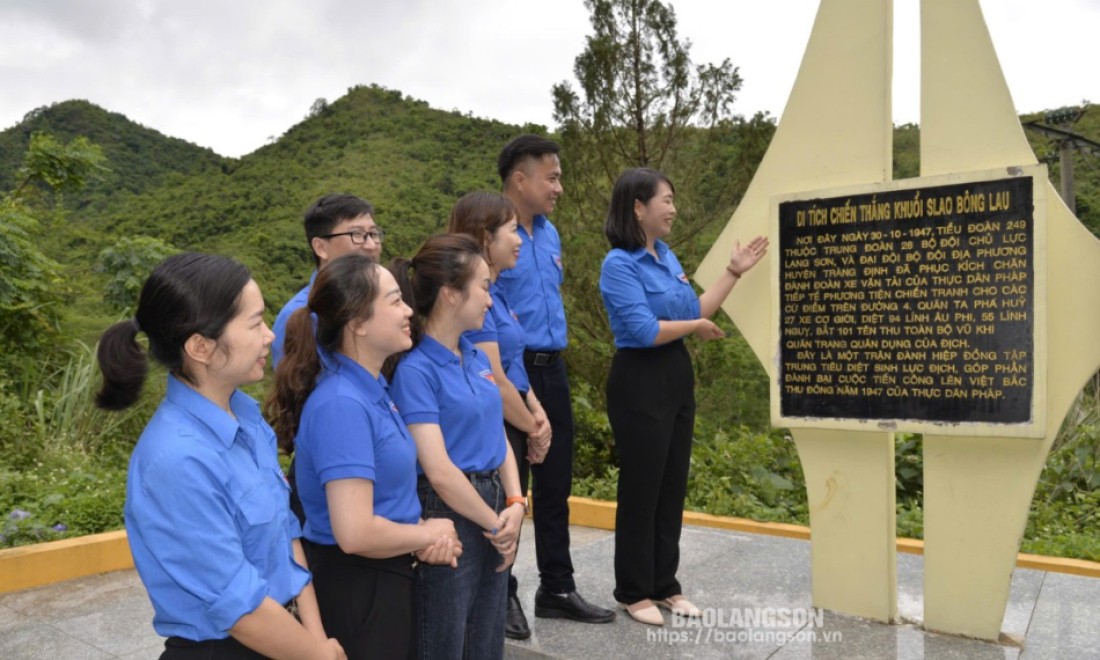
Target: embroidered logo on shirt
column 683, row 278
column 487, row 374
column 557, row 260
column 514, row 317
column 393, row 407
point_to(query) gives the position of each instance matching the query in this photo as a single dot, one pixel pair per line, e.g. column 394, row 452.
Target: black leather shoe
column 515, row 624
column 570, row 606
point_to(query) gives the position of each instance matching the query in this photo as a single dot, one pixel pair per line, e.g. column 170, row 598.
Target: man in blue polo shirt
column 531, row 175
column 335, row 225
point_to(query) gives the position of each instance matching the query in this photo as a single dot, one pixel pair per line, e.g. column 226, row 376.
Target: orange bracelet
column 520, row 499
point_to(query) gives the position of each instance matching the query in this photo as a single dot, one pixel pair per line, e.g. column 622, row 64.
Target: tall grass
column 62, row 460
column 65, row 413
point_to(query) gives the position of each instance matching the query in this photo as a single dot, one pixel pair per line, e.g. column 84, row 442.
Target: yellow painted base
column 835, row 131
column 46, row 563
column 977, row 491
column 851, row 492
column 976, row 497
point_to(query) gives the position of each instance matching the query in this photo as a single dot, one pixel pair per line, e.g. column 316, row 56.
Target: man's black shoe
column 515, row 626
column 569, row 606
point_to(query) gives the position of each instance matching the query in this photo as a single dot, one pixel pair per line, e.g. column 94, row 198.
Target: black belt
column 479, row 475
column 482, row 475
column 540, row 358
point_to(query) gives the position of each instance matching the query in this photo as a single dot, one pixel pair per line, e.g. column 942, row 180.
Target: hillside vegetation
column 412, row 162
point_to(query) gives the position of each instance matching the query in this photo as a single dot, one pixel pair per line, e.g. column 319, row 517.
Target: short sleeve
column 413, row 390
column 342, row 444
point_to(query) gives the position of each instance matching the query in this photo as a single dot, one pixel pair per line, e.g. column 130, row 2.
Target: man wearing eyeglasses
column 336, row 224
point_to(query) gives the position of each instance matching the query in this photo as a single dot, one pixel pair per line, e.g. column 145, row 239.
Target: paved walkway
column 1050, row 615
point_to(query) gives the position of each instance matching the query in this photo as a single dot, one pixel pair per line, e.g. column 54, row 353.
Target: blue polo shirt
column 300, row 300
column 350, row 429
column 207, row 515
column 502, row 327
column 639, row 290
column 432, row 386
column 534, row 287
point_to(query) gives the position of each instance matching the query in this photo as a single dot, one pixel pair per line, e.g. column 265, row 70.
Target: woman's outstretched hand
column 744, row 257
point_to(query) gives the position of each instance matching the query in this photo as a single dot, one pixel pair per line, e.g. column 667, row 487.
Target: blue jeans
column 461, row 611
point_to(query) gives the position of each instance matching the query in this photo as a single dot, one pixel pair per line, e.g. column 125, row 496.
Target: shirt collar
column 442, row 355
column 375, row 388
column 538, row 223
column 208, row 413
column 659, row 246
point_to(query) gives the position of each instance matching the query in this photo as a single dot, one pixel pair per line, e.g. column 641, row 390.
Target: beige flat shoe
column 644, row 611
column 680, row 606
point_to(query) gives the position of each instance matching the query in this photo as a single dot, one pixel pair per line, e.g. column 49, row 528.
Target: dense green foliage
column 139, row 157
column 62, row 462
column 128, row 262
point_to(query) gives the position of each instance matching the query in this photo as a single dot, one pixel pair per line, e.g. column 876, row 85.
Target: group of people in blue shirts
column 417, row 401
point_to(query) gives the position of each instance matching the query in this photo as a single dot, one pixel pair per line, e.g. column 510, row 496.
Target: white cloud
column 229, row 74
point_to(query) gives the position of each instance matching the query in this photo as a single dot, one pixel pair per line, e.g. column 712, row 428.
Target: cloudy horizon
column 230, row 76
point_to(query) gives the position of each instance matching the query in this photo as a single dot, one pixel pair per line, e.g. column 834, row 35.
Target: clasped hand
column 538, row 441
column 446, row 548
column 506, row 538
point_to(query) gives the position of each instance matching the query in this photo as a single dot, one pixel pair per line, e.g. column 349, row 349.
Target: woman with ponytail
column 444, row 389
column 490, row 219
column 206, row 504
column 355, row 463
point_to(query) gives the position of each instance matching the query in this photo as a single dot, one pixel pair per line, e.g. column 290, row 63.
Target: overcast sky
column 229, row 74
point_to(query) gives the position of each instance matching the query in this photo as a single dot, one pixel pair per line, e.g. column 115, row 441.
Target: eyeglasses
column 359, row 236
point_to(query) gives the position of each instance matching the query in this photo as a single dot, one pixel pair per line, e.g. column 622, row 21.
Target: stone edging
column 28, row 566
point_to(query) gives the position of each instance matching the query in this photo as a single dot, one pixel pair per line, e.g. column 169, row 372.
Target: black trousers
column 366, row 604
column 178, row 648
column 651, row 408
column 552, row 480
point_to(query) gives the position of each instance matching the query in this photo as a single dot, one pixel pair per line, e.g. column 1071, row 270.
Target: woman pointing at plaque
column 650, row 390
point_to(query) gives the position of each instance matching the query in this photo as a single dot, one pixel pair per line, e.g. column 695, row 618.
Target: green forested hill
column 140, row 158
column 413, row 162
column 410, row 160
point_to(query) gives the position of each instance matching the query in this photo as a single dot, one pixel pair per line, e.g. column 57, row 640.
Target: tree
column 318, row 108
column 129, row 262
column 639, row 92
column 31, row 282
column 640, row 101
column 62, row 168
column 28, row 282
